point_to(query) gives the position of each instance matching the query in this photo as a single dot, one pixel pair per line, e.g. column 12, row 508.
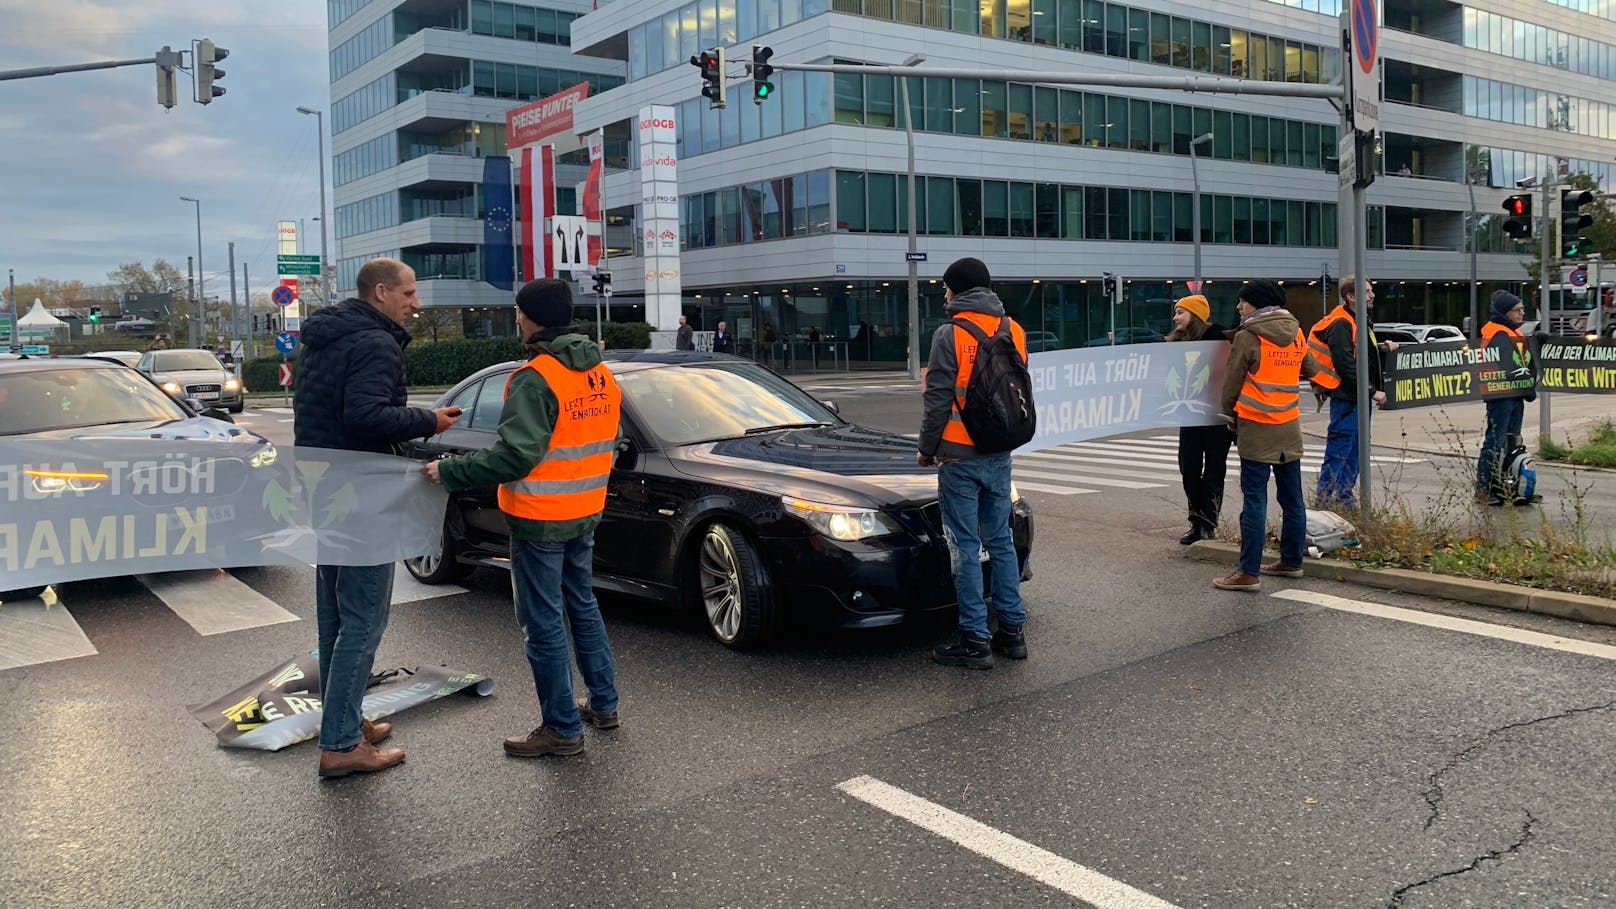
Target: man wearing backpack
column 973, row 482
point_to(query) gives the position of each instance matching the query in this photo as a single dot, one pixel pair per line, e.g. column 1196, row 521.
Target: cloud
column 95, row 167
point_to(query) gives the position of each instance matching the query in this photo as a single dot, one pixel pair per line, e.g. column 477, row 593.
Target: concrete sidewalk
column 1456, row 429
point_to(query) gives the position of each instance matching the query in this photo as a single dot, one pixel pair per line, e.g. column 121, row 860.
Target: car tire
column 238, row 407
column 441, row 567
column 732, row 587
column 23, row 593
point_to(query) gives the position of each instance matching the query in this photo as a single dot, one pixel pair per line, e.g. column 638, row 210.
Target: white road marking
column 406, row 589
column 1050, row 474
column 1468, row 626
column 1055, row 490
column 1018, row 855
column 212, row 601
column 34, row 631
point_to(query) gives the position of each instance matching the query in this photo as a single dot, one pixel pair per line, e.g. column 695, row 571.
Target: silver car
column 194, row 375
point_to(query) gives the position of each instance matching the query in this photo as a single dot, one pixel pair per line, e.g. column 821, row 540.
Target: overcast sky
column 91, row 168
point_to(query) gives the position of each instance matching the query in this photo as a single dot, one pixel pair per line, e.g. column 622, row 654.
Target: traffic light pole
column 914, row 267
column 235, row 308
column 1543, row 320
column 10, row 74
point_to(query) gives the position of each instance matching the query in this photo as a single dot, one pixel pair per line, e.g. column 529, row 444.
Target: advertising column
column 292, row 314
column 659, row 225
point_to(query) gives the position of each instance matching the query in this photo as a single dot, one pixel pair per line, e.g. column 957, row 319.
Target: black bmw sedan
column 736, row 492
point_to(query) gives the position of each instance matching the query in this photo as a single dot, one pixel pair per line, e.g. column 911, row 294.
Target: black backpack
column 998, row 410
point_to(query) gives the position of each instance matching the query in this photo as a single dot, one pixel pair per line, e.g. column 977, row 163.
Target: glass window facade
column 1524, row 106
column 1535, row 44
column 524, row 23
column 361, row 48
column 374, row 213
column 338, row 11
column 362, row 104
column 378, row 154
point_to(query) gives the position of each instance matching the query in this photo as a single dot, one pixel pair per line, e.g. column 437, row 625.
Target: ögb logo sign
column 1365, row 35
column 656, row 123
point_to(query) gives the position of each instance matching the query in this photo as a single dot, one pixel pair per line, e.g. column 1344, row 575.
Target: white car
column 126, row 357
column 1427, row 334
column 194, row 374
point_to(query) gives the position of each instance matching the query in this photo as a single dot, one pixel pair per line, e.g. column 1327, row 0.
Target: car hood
column 845, row 464
column 195, row 429
column 192, row 375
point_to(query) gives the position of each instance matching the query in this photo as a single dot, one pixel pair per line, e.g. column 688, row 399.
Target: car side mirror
column 831, row 406
column 627, row 454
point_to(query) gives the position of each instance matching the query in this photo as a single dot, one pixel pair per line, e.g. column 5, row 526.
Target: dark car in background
column 186, row 373
column 735, row 492
column 72, row 398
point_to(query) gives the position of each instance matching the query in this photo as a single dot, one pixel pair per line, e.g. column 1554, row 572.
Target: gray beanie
column 1503, row 302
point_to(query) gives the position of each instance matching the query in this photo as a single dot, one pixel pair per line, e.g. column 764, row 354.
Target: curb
column 1573, row 606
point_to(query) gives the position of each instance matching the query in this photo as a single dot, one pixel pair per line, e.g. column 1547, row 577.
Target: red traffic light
column 1515, row 205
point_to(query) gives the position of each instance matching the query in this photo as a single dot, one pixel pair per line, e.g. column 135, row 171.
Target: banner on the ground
column 1577, row 365
column 282, row 707
column 1093, row 392
column 77, row 509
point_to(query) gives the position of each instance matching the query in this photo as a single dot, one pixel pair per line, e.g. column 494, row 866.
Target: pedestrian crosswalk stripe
column 213, row 601
column 1053, row 490
column 1047, row 459
column 36, row 631
column 406, row 589
column 1052, row 474
column 1122, row 451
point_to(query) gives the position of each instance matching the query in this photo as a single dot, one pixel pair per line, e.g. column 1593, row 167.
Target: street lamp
column 914, row 266
column 326, row 268
column 199, row 323
column 1195, row 207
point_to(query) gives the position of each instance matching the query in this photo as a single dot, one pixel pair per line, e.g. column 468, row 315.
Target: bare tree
column 434, row 322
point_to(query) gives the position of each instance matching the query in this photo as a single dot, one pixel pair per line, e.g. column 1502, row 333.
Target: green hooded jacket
column 525, row 423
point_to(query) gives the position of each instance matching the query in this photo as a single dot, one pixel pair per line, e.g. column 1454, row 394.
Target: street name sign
column 297, row 265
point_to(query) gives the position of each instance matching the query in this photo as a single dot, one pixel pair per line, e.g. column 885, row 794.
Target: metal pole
column 1475, row 241
column 1543, row 323
column 914, row 267
column 603, row 303
column 1365, row 351
column 235, row 307
column 327, row 269
column 246, row 293
column 74, row 68
column 1598, row 324
column 190, row 280
column 1195, row 206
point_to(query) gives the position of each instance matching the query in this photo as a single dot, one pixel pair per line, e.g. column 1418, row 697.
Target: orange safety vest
column 965, row 357
column 1270, row 391
column 570, row 482
column 1493, row 328
column 1320, row 348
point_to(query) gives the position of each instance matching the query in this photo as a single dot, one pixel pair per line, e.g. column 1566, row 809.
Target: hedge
column 447, row 362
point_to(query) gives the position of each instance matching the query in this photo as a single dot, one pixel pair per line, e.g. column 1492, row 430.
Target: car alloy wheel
column 439, row 566
column 734, row 587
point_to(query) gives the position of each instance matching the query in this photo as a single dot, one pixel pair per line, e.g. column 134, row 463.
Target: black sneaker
column 966, row 650
column 1008, row 641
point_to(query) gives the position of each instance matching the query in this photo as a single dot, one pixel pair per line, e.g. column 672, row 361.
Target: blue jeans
column 554, row 594
column 1254, row 514
column 1338, row 477
column 975, row 497
column 351, row 605
column 1504, row 418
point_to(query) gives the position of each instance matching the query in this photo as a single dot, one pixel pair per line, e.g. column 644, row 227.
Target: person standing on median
column 1504, row 414
column 558, row 432
column 1333, row 341
column 351, row 395
column 685, row 338
column 973, row 488
column 1267, row 361
column 1203, row 451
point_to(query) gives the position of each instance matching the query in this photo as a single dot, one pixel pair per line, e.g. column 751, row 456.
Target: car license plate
column 207, row 396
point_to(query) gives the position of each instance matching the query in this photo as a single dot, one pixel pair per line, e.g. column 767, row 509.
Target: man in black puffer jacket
column 351, row 395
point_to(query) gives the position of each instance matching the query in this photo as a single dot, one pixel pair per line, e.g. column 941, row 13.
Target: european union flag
column 499, row 252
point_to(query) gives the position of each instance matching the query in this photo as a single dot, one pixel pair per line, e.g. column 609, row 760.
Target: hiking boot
column 362, row 758
column 597, row 720
column 1008, row 641
column 543, row 741
column 1193, row 534
column 375, row 732
column 1280, row 569
column 966, row 650
column 1237, row 580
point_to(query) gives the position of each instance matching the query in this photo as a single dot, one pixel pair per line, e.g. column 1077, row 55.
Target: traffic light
column 1110, row 285
column 762, row 88
column 95, row 315
column 207, row 54
column 1519, row 223
column 1572, row 244
column 603, row 283
column 168, row 60
column 711, row 63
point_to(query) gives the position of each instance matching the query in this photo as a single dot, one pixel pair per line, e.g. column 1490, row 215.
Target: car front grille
column 199, row 389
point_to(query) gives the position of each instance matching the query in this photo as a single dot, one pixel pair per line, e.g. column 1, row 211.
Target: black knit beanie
column 546, row 302
column 1503, row 302
column 967, row 273
column 1263, row 293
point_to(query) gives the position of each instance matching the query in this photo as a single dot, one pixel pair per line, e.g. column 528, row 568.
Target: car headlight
column 264, row 456
column 231, row 384
column 840, row 522
column 172, row 388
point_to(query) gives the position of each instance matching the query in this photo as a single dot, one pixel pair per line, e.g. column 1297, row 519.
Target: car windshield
column 702, row 402
column 175, row 360
column 70, row 398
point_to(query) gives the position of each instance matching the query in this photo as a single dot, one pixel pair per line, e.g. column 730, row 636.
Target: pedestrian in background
column 723, row 341
column 1333, row 341
column 1203, row 451
column 351, row 395
column 160, row 342
column 1505, row 414
column 973, row 488
column 552, row 460
column 686, row 338
column 1267, row 360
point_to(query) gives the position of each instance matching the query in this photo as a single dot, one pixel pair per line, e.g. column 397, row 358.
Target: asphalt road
column 1165, row 744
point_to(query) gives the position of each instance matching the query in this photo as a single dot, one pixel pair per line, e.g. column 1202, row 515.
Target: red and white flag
column 536, row 180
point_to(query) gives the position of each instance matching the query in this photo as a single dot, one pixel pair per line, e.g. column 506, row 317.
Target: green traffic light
column 762, row 89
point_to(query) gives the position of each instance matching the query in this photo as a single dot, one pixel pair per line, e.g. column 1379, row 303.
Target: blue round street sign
column 1579, row 276
column 281, row 296
column 1365, row 35
column 285, row 342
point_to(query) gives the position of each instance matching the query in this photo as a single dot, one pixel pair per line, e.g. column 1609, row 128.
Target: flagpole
column 602, row 303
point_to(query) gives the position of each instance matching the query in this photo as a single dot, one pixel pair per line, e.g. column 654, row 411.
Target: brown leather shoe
column 543, row 741
column 1280, row 569
column 597, row 720
column 1237, row 580
column 375, row 732
column 364, row 758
